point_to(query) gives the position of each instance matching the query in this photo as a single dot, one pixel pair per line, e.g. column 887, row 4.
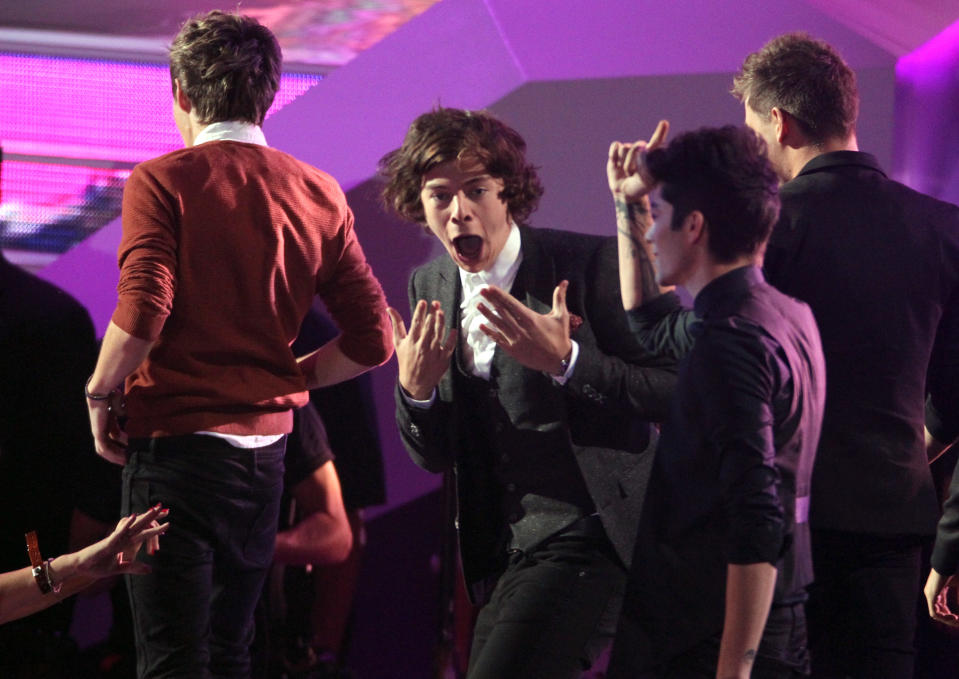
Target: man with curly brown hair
column 519, row 374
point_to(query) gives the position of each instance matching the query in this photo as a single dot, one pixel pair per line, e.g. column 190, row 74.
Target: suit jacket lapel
column 448, row 291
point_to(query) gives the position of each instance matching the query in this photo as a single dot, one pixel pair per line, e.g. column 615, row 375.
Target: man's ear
column 788, row 132
column 782, row 123
column 182, row 100
column 694, row 226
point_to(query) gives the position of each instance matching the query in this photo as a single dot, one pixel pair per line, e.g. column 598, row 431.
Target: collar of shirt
column 727, row 287
column 231, row 130
column 478, row 348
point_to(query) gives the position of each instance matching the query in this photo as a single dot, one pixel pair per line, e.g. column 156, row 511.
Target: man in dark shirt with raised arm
column 722, row 560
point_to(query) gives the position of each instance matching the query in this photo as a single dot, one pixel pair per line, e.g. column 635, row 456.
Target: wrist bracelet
column 96, row 397
column 564, row 364
column 41, row 572
column 54, row 586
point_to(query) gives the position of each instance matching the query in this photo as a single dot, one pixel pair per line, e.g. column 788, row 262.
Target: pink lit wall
column 84, row 108
column 71, row 129
column 927, row 116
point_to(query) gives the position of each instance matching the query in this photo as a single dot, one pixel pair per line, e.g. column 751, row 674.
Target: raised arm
column 630, row 187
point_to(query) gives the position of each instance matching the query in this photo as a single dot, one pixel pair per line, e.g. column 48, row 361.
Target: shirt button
column 511, row 487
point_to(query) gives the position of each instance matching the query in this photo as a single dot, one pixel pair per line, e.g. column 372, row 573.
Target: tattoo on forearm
column 632, row 239
column 750, row 655
column 632, row 220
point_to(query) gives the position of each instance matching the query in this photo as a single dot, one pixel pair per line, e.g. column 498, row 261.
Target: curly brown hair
column 805, row 77
column 228, row 65
column 446, row 134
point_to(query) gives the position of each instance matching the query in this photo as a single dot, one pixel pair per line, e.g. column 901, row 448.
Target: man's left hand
column 537, row 341
column 110, row 440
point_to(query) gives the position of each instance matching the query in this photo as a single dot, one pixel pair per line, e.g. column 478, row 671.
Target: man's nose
column 459, row 207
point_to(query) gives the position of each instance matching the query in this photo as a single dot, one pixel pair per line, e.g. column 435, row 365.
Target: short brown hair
column 806, row 78
column 446, row 134
column 228, row 65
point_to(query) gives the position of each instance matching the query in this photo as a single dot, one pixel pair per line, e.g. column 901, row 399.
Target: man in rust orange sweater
column 225, row 243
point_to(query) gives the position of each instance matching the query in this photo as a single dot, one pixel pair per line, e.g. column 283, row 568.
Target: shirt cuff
column 421, row 405
column 561, row 379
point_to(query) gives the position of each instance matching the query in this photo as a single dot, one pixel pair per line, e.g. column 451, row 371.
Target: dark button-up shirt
column 731, row 478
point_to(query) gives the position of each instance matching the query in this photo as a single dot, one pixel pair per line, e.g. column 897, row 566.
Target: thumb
column 399, row 328
column 559, row 299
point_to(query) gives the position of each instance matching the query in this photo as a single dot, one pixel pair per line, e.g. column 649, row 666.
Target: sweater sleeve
column 147, row 257
column 356, row 301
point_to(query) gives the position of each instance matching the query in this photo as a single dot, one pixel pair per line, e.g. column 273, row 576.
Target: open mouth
column 468, row 247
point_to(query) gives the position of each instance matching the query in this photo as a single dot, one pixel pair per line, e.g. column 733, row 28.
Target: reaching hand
column 424, row 353
column 116, row 553
column 537, row 341
column 625, row 170
column 939, row 588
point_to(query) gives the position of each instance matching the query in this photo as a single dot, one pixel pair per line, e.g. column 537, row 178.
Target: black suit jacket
column 605, row 406
column 879, row 265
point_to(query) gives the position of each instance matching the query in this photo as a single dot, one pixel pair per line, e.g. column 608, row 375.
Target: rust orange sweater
column 224, row 246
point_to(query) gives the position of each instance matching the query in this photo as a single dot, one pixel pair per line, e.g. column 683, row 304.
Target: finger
column 111, row 453
column 500, row 322
column 428, row 332
column 559, row 299
column 495, row 335
column 659, row 135
column 450, row 344
column 133, row 568
column 439, row 329
column 399, row 328
column 119, row 438
column 416, row 322
column 614, row 152
column 503, row 304
column 634, row 150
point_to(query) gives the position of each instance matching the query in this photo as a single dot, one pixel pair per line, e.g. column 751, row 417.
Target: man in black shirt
column 718, row 581
column 878, row 263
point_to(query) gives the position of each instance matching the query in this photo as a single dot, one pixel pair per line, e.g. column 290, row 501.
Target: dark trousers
column 781, row 654
column 551, row 613
column 862, row 605
column 193, row 614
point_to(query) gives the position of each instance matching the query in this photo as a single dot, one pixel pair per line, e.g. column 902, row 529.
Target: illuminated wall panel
column 71, row 130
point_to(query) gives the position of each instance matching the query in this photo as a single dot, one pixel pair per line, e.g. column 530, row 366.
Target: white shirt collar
column 503, row 271
column 231, row 130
